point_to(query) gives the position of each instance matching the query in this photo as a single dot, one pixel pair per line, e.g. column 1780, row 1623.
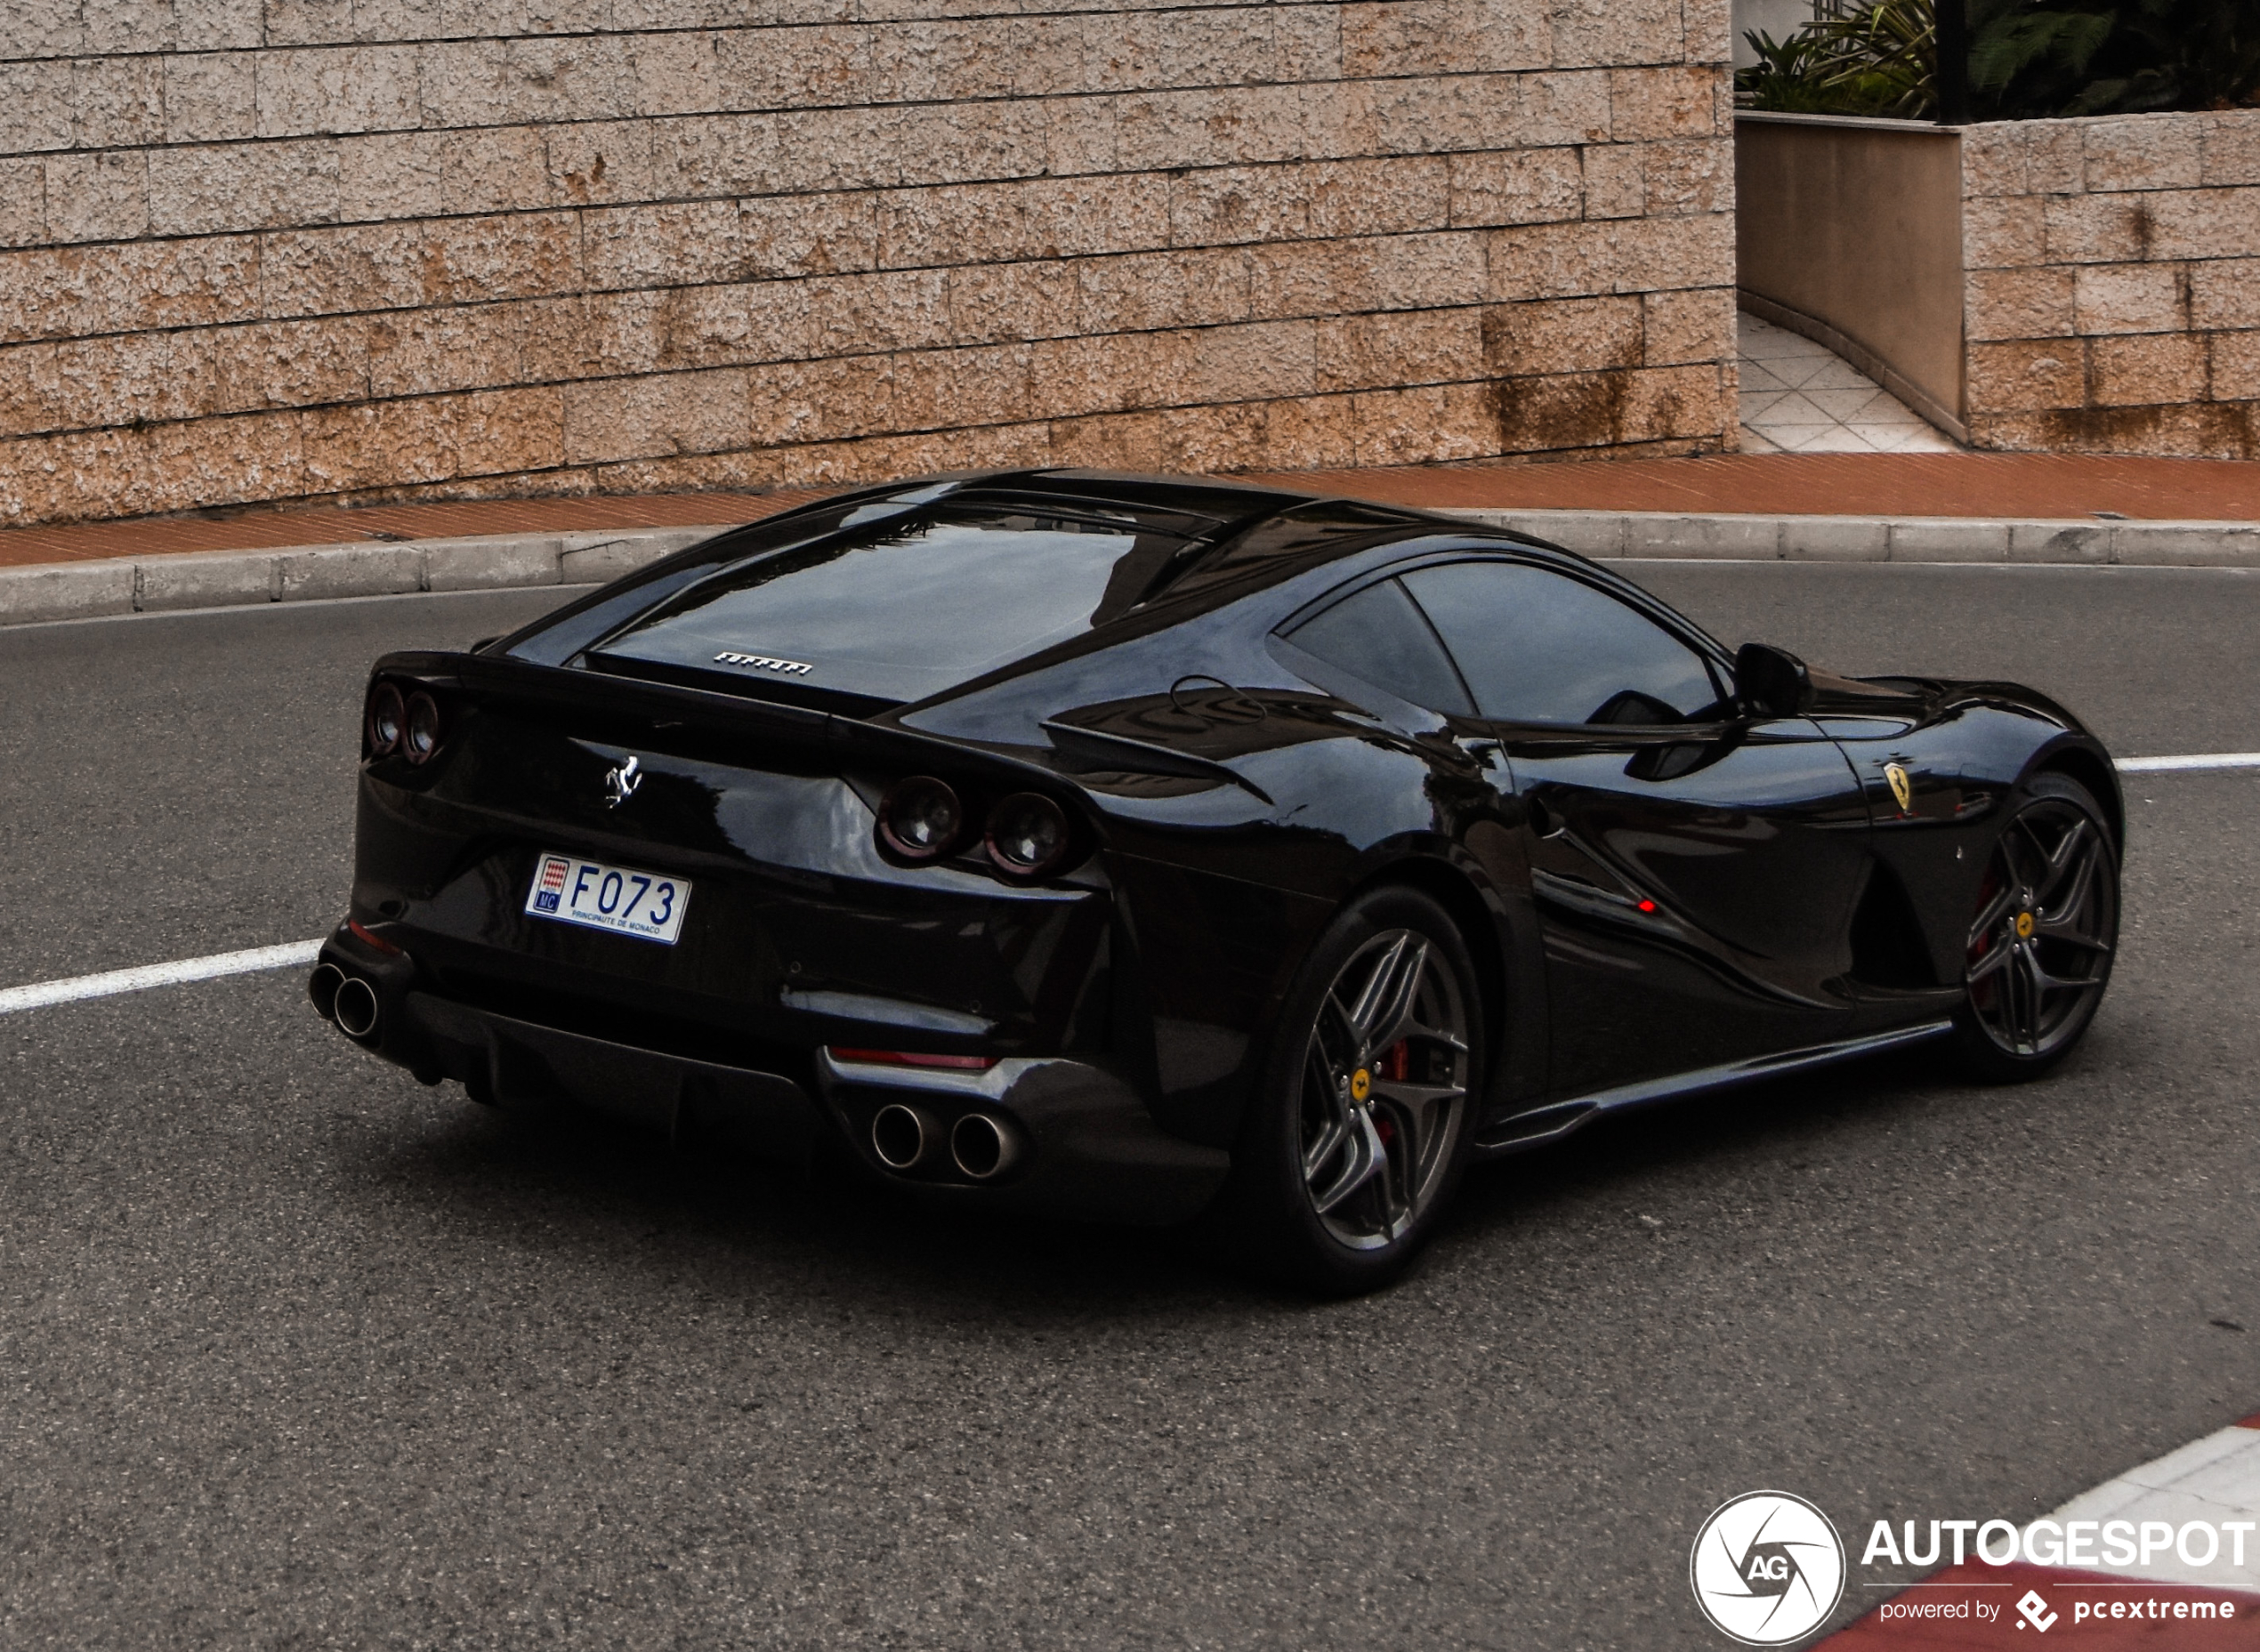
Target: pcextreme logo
column 1767, row 1568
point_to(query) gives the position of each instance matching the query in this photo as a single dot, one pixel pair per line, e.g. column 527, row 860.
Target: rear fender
column 1208, row 958
column 1498, row 924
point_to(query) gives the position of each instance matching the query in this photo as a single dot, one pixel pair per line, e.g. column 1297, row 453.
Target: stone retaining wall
column 374, row 247
column 2113, row 285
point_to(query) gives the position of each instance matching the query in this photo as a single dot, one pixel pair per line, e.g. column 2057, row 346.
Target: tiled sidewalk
column 1799, row 397
column 2102, row 1601
column 2003, row 486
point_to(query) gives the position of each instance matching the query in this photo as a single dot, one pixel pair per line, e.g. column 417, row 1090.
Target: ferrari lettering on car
column 1153, row 850
column 762, row 662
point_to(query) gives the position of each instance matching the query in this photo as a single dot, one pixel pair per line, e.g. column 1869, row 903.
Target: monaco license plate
column 627, row 902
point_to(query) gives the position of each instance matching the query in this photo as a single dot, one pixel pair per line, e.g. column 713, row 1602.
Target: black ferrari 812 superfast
column 1149, row 849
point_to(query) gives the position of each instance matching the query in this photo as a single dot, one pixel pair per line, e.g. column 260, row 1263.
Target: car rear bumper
column 1088, row 1146
column 1079, row 1140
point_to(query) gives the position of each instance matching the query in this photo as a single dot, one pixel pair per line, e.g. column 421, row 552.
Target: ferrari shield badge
column 1899, row 789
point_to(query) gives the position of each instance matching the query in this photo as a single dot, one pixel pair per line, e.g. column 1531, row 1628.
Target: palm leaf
column 2028, row 59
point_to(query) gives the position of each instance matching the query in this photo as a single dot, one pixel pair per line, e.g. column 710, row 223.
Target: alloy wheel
column 1383, row 1084
column 2041, row 949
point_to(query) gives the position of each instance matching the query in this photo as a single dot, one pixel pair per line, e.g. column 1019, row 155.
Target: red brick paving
column 1959, row 484
column 263, row 529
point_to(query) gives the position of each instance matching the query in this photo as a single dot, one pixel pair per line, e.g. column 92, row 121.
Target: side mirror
column 1772, row 682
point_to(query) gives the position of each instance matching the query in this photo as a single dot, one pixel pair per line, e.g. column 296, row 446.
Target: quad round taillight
column 384, row 720
column 421, row 738
column 921, row 818
column 1028, row 836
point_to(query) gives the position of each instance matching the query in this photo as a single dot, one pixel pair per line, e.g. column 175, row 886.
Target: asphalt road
column 297, row 1353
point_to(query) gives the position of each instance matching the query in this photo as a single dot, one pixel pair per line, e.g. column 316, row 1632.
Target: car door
column 1694, row 870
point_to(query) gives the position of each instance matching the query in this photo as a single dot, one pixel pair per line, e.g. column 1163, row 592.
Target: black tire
column 2046, row 927
column 1401, row 1142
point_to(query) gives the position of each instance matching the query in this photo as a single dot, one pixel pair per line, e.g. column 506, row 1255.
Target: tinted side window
column 1379, row 636
column 1540, row 647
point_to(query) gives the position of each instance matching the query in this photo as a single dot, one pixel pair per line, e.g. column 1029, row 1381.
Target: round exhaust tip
column 984, row 1148
column 354, row 1007
column 901, row 1136
column 322, row 986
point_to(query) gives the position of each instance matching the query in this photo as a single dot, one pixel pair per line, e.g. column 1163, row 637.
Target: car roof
column 1244, row 541
column 818, row 605
column 1226, row 500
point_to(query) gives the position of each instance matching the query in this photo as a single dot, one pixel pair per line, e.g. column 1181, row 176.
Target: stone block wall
column 267, row 249
column 2112, row 284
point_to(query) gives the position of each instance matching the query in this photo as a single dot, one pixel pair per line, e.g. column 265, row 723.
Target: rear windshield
column 904, row 609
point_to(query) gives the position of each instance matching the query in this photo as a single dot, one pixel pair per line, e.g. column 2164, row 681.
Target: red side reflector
column 1647, row 905
column 913, row 1058
column 377, row 941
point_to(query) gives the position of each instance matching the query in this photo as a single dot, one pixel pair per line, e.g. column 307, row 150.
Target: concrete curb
column 2081, row 542
column 501, row 561
column 303, row 573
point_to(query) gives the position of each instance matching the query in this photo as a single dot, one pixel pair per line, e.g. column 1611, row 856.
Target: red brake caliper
column 1983, row 944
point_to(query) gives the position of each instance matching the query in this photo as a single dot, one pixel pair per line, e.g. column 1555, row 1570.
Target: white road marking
column 2209, row 760
column 43, row 993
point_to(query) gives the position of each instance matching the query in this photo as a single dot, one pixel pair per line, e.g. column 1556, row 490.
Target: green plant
column 2028, row 59
column 2097, row 57
column 1877, row 58
column 1791, row 77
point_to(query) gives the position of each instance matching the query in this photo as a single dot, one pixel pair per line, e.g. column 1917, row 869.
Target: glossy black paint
column 1644, row 901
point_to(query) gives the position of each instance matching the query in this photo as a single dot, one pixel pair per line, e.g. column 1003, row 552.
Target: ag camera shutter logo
column 1767, row 1568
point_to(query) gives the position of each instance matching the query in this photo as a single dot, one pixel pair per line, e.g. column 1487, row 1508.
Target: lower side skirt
column 1556, row 1120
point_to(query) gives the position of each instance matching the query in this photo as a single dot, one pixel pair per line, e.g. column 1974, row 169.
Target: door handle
column 1544, row 821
